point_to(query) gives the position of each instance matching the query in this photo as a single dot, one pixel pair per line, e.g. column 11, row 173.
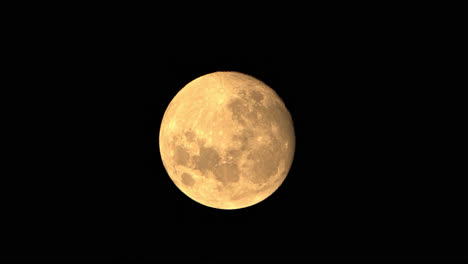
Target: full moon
column 227, row 140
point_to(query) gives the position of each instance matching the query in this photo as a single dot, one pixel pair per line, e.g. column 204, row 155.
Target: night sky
column 373, row 175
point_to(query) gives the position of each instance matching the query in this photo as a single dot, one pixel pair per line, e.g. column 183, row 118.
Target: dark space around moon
column 363, row 183
column 371, row 176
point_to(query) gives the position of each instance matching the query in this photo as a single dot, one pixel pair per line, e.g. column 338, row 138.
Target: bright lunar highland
column 227, row 140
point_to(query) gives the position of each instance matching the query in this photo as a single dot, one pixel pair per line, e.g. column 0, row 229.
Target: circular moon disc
column 227, row 140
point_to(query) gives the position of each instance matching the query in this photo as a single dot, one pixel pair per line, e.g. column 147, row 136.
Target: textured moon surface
column 227, row 140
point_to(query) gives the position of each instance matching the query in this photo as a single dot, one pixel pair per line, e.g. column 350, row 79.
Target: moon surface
column 227, row 140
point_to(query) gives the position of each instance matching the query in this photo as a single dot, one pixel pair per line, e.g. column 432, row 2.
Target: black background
column 373, row 176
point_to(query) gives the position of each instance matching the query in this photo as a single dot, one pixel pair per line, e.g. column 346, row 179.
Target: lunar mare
column 227, row 140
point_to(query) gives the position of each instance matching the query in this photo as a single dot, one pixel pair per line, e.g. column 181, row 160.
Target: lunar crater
column 256, row 96
column 207, row 159
column 181, row 155
column 187, row 179
column 227, row 173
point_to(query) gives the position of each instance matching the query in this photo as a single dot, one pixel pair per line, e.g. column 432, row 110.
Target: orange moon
column 227, row 140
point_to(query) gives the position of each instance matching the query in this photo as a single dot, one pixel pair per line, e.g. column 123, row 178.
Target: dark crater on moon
column 243, row 138
column 239, row 109
column 256, row 96
column 275, row 113
column 265, row 164
column 233, row 154
column 190, row 136
column 207, row 159
column 241, row 113
column 181, row 156
column 187, row 179
column 227, row 173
